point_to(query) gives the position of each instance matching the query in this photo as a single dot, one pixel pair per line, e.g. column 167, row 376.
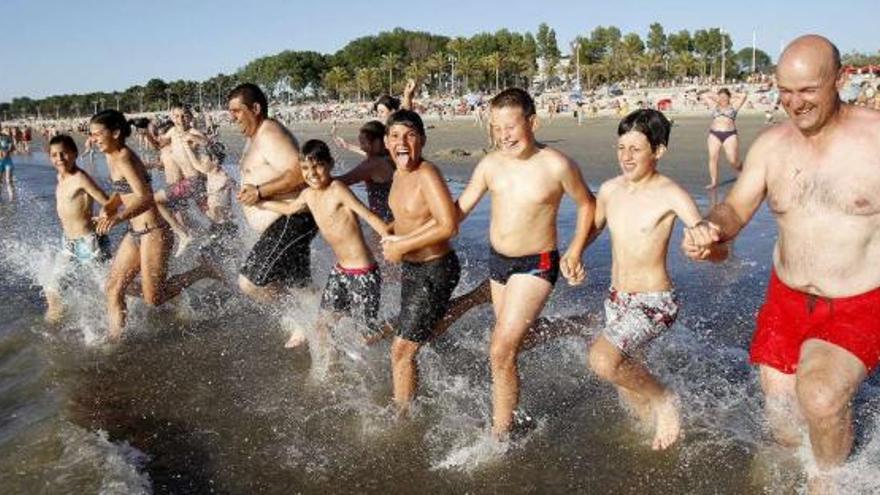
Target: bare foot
column 54, row 313
column 820, row 484
column 183, row 241
column 638, row 406
column 297, row 338
column 668, row 422
column 711, row 186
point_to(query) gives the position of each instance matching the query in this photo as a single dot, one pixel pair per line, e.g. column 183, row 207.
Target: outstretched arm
column 342, row 143
column 94, row 190
column 408, row 91
column 354, row 204
column 571, row 264
column 728, row 218
column 285, row 207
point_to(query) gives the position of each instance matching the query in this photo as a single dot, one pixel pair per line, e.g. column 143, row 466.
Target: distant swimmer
column 270, row 169
column 818, row 334
column 355, row 284
column 527, row 182
column 7, row 148
column 431, row 268
column 75, row 195
column 640, row 206
column 722, row 131
column 146, row 246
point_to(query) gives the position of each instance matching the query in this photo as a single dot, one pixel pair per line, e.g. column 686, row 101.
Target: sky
column 63, row 46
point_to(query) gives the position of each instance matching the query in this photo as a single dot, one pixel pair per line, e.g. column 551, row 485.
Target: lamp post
column 452, row 75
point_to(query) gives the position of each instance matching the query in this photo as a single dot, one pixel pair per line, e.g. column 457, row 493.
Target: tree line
column 376, row 64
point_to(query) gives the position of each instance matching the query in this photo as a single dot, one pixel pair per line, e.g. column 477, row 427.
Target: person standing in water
column 722, row 131
column 75, row 195
column 818, row 334
column 270, row 169
column 146, row 246
column 640, row 207
column 431, row 269
column 7, row 147
column 527, row 181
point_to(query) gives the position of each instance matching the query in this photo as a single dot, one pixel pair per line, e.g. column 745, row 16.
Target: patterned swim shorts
column 632, row 319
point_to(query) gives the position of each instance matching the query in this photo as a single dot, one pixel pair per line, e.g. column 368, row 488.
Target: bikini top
column 728, row 112
column 122, row 186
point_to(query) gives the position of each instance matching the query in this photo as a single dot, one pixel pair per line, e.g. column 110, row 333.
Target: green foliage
column 375, row 64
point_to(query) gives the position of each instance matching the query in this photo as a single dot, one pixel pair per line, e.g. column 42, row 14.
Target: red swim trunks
column 790, row 317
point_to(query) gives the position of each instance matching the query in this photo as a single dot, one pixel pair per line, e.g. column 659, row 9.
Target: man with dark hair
column 818, row 334
column 270, row 168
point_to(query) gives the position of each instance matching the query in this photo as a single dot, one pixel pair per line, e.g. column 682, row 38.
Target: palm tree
column 389, row 63
column 435, row 65
column 466, row 67
column 336, row 78
column 493, row 61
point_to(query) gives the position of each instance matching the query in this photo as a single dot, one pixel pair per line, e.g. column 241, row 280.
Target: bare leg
column 781, row 406
column 517, row 306
column 480, row 295
column 268, row 294
column 731, row 151
column 157, row 287
column 405, row 372
column 54, row 306
column 828, row 378
column 125, row 266
column 714, row 146
column 10, row 186
column 183, row 237
column 611, row 365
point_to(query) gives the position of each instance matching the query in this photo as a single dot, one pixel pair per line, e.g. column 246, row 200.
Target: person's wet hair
column 390, row 102
column 373, row 130
column 724, row 91
column 317, row 151
column 652, row 123
column 216, row 152
column 406, row 118
column 249, row 94
column 515, row 98
column 65, row 141
column 113, row 120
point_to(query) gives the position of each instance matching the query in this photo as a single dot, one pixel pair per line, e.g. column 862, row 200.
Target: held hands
column 391, row 248
column 248, row 195
column 699, row 240
column 106, row 221
column 572, row 268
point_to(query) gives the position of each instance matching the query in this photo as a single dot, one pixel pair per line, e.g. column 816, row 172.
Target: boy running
column 74, row 196
column 354, row 285
column 640, row 207
column 527, row 181
column 430, row 266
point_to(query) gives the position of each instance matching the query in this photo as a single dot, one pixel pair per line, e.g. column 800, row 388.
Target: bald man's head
column 813, row 50
column 809, row 78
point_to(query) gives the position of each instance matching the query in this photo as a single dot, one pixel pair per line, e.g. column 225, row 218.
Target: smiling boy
column 527, row 181
column 640, row 206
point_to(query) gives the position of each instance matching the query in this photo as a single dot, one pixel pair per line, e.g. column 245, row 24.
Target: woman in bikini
column 146, row 246
column 722, row 131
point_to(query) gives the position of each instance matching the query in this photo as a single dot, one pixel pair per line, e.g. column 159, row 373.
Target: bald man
column 818, row 332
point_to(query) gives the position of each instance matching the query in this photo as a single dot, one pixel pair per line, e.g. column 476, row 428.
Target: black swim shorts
column 544, row 265
column 282, row 252
column 425, row 290
column 355, row 293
